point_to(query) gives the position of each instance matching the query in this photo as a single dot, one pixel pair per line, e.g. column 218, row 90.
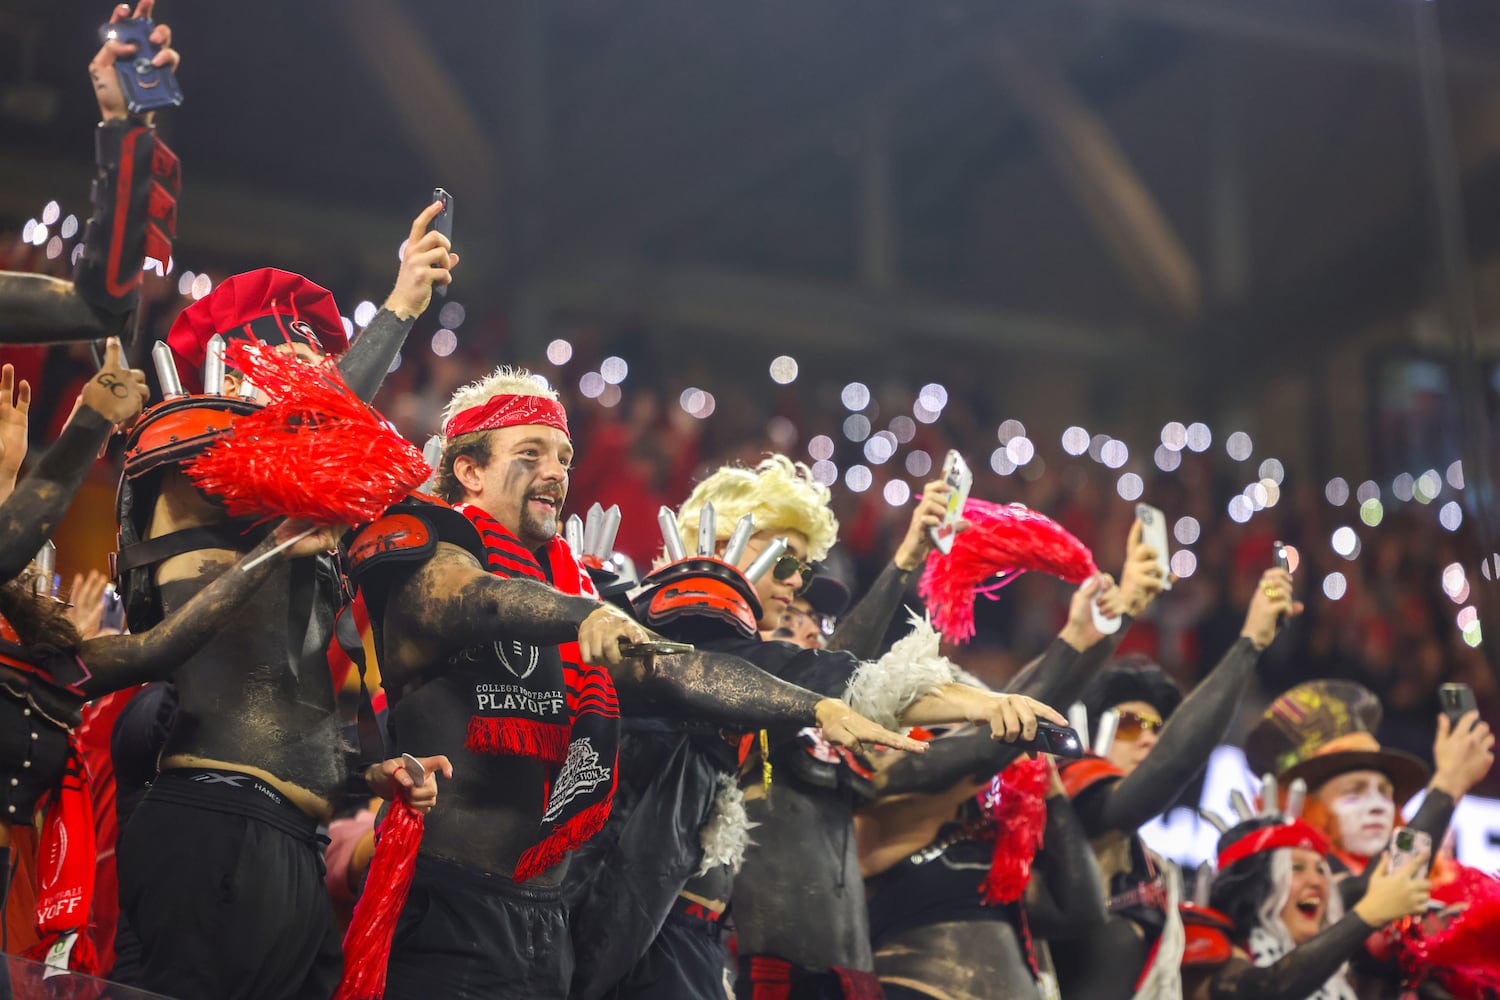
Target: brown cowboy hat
column 1321, row 729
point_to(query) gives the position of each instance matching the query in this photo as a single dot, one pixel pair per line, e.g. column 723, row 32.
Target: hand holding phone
column 1059, row 741
column 1406, row 845
column 442, row 223
column 1457, row 701
column 1154, row 534
column 144, row 85
column 960, row 480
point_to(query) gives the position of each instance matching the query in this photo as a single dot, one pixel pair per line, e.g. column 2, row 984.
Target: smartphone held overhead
column 442, row 223
column 1154, row 534
column 960, row 480
column 144, row 85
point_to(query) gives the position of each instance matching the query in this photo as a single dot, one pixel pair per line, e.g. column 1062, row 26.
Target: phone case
column 145, row 87
column 1154, row 534
column 956, row 474
column 1407, row 844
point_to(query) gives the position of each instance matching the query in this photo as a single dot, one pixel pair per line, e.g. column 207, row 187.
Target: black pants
column 468, row 933
column 687, row 961
column 222, row 893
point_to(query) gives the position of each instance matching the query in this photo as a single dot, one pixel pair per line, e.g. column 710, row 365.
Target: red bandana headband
column 508, row 411
column 1297, row 833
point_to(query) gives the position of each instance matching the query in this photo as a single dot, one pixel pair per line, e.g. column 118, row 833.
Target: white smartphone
column 957, row 475
column 1154, row 534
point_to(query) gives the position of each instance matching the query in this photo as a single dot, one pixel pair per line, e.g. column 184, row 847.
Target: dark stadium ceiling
column 1073, row 176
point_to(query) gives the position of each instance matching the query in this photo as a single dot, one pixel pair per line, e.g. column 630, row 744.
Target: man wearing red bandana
column 496, row 651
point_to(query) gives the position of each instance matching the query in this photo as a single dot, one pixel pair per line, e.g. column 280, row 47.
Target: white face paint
column 1363, row 804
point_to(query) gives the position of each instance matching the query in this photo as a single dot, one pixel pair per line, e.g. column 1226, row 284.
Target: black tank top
column 938, row 884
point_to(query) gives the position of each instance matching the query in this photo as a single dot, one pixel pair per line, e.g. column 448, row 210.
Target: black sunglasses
column 788, row 564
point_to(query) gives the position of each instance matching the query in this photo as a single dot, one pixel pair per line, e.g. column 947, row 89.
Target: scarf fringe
column 512, row 737
column 563, row 838
column 367, row 943
column 83, row 959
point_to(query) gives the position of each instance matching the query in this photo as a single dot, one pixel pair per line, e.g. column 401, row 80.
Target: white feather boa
column 881, row 690
column 726, row 835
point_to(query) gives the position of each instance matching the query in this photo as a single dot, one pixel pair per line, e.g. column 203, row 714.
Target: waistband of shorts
column 455, row 874
column 233, row 792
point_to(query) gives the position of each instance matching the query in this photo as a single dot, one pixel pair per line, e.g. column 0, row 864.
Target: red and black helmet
column 697, row 598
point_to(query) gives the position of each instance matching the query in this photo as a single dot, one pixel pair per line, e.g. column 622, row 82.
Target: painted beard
column 1365, row 822
column 537, row 527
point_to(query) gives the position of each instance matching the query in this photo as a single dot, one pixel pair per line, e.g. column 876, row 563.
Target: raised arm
column 31, row 513
column 862, row 630
column 1202, row 720
column 119, row 661
column 1462, row 755
column 426, row 260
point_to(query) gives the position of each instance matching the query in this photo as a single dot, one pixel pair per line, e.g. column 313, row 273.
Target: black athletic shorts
column 688, row 960
column 222, row 893
column 468, row 933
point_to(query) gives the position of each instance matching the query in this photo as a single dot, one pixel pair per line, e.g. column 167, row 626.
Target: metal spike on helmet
column 166, row 371
column 213, row 366
column 708, row 526
column 1078, row 718
column 765, row 560
column 1241, row 805
column 670, row 536
column 1270, row 795
column 43, row 584
column 573, row 533
column 735, row 547
column 1109, row 722
column 1296, row 796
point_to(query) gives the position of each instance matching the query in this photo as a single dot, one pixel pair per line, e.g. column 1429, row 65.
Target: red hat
column 266, row 305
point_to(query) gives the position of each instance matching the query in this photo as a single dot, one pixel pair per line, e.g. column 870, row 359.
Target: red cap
column 266, row 305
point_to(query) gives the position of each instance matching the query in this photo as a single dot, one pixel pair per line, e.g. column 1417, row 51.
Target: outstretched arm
column 1297, row 974
column 119, row 661
column 724, row 689
column 30, row 515
column 450, row 602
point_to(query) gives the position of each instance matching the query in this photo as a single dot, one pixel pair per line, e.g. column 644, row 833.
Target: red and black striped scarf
column 521, row 716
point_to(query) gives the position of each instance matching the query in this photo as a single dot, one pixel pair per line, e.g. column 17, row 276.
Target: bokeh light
column 592, row 384
column 784, row 370
column 918, row 463
column 614, row 370
column 856, row 396
column 858, row 478
column 1075, row 440
column 560, row 352
column 1184, row 563
column 1345, row 542
column 1334, row 586
column 1371, row 512
column 856, row 427
column 820, row 447
column 1020, row 450
column 1199, row 437
column 1114, row 454
column 1451, row 515
column 1011, row 429
column 1001, row 462
column 1167, row 460
column 1174, row 436
column 444, row 342
column 1186, row 530
column 1337, row 491
column 897, row 493
column 1239, row 446
column 1130, row 486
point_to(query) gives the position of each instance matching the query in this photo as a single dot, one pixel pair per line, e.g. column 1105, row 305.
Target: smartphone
column 1408, row 844
column 957, row 475
column 145, row 87
column 1154, row 534
column 113, row 619
column 1059, row 741
column 1278, row 549
column 1457, row 701
column 655, row 647
column 443, row 223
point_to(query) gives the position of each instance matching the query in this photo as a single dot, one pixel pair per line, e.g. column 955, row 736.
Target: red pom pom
column 1016, row 802
column 316, row 452
column 1463, row 950
column 367, row 944
column 1003, row 540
